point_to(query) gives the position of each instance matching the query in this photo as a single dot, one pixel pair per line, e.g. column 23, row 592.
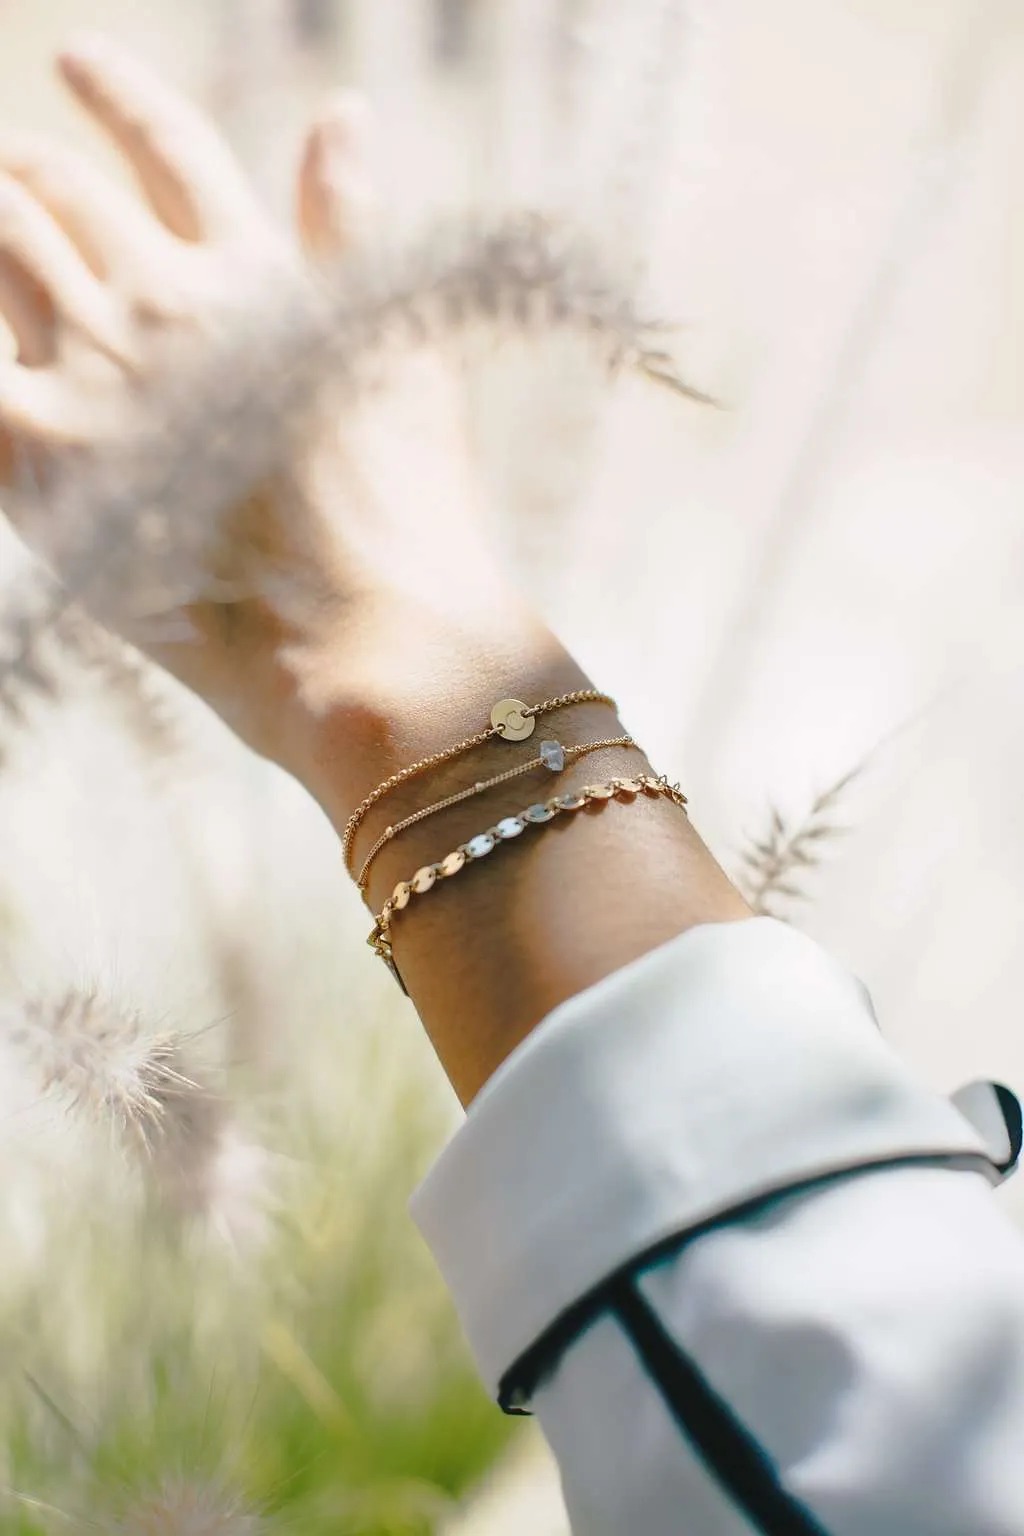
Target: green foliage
column 155, row 1383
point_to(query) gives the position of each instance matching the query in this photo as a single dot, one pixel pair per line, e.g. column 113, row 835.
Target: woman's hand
column 352, row 620
column 352, row 587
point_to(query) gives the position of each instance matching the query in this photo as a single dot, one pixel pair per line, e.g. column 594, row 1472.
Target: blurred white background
column 830, row 200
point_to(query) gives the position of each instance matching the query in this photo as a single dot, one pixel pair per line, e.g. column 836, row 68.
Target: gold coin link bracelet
column 553, row 756
column 504, row 831
column 511, row 720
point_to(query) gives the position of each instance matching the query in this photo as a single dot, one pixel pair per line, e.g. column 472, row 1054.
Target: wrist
column 401, row 686
column 552, row 914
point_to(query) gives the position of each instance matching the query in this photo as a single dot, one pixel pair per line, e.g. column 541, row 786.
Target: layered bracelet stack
column 553, row 756
column 511, row 721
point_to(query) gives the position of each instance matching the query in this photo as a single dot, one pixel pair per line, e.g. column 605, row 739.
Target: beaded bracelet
column 553, row 756
column 508, row 828
column 511, row 720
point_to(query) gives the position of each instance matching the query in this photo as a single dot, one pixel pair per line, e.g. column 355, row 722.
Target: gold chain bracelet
column 553, row 756
column 511, row 720
column 508, row 828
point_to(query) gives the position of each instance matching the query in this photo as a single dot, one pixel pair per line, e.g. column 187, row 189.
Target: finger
column 23, row 468
column 26, row 309
column 336, row 201
column 33, row 245
column 8, row 458
column 110, row 228
column 32, row 410
column 189, row 174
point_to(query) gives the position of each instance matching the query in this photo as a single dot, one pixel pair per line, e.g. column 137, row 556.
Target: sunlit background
column 823, row 572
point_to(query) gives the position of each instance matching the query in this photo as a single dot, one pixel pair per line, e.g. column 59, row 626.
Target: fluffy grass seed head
column 136, row 532
column 181, row 1508
column 774, row 865
column 98, row 1059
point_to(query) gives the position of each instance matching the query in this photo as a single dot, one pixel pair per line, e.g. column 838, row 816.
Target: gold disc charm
column 509, row 719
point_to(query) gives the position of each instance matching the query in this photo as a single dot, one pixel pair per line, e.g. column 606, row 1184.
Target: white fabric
column 868, row 1332
column 871, row 1336
column 736, row 1060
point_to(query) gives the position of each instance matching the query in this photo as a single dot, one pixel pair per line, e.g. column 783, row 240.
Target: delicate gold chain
column 568, row 754
column 508, row 828
column 580, row 696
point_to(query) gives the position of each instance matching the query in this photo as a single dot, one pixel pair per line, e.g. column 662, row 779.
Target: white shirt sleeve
column 746, row 1269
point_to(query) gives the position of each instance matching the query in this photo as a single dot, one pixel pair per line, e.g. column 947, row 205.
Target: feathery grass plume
column 27, row 670
column 323, row 1387
column 181, row 1508
column 524, row 274
column 134, row 532
column 774, row 864
column 41, row 630
column 98, row 1059
column 127, row 679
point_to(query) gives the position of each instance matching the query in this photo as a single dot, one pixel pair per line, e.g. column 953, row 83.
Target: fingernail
column 347, row 120
column 82, row 54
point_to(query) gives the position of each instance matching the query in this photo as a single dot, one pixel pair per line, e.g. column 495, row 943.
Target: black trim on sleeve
column 984, row 1105
column 521, row 1380
column 740, row 1466
column 1013, row 1116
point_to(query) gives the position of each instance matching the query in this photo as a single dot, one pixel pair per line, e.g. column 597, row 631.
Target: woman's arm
column 746, row 1268
column 489, row 953
column 400, row 631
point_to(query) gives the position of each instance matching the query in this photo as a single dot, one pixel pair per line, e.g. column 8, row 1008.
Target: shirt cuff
column 737, row 1060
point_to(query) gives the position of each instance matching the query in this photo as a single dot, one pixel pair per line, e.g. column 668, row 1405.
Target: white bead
column 477, row 847
column 511, row 826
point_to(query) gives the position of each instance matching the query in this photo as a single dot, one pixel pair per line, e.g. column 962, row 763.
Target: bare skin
column 414, row 631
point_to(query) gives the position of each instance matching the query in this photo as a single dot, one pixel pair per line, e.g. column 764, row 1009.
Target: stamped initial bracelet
column 553, row 756
column 504, row 831
column 511, row 720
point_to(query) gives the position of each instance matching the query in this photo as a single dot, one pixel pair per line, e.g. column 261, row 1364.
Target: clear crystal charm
column 511, row 826
column 538, row 813
column 479, row 847
column 553, row 755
